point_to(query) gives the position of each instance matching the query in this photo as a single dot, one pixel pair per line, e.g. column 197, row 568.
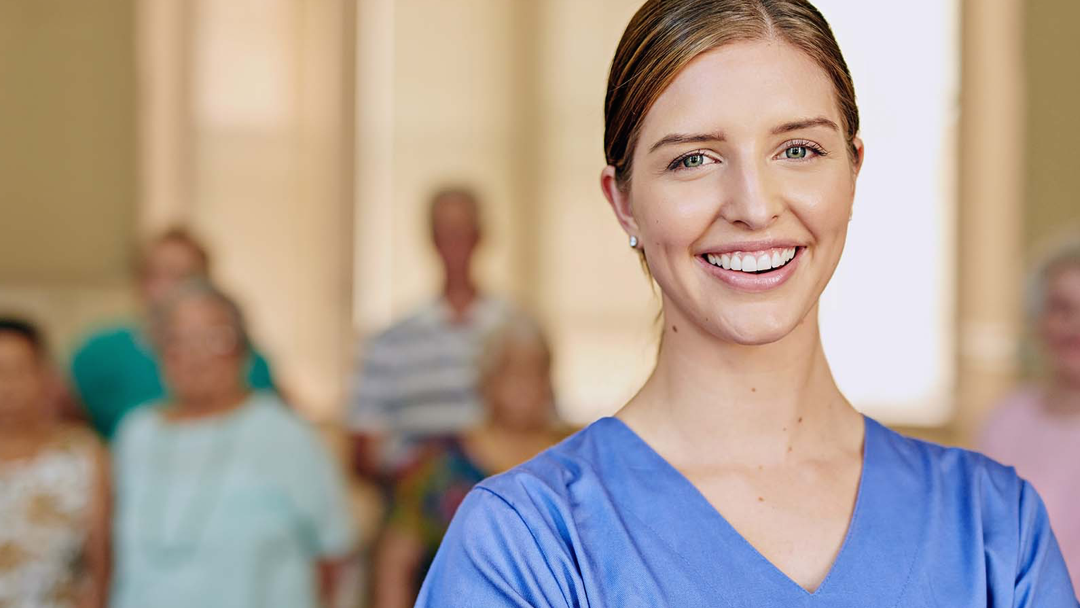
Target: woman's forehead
column 198, row 310
column 743, row 87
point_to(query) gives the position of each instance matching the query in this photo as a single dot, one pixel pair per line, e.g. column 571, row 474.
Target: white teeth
column 746, row 262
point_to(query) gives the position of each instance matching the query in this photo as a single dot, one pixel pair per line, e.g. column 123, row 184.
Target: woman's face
column 1061, row 322
column 168, row 264
column 201, row 349
column 22, row 380
column 741, row 191
column 519, row 394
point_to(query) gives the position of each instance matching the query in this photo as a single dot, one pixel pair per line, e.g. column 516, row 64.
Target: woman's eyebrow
column 687, row 138
column 806, row 123
column 718, row 136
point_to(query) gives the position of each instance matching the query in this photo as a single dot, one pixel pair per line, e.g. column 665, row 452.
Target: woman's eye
column 796, row 152
column 691, row 161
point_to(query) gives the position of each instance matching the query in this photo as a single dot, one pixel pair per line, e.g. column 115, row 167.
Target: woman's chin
column 754, row 331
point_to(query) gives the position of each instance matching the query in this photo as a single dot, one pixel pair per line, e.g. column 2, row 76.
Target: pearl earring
column 633, row 242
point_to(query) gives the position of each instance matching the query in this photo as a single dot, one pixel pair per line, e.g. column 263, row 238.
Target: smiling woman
column 739, row 474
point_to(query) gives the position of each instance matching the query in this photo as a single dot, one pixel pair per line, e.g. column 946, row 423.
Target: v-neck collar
column 666, row 501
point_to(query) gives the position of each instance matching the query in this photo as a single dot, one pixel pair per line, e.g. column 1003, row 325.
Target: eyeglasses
column 217, row 341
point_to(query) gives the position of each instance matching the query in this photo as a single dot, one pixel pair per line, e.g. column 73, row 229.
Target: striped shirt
column 418, row 378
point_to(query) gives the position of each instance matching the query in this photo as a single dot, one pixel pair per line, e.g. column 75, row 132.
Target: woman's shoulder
column 948, row 473
column 575, row 466
column 138, row 422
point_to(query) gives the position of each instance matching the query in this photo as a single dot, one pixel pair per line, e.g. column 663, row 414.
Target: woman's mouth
column 753, row 262
column 756, row 270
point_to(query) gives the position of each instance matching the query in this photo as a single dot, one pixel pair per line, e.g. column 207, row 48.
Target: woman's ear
column 860, row 154
column 619, row 199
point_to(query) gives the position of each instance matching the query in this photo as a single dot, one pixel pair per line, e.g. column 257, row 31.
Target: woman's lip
column 751, row 247
column 755, row 283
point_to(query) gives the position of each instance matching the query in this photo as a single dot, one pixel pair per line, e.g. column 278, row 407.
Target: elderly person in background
column 417, row 379
column 515, row 385
column 116, row 369
column 1037, row 429
column 54, row 489
column 225, row 498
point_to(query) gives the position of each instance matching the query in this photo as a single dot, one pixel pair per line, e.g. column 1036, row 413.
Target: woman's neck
column 206, row 407
column 710, row 400
column 498, row 448
column 22, row 438
column 1063, row 397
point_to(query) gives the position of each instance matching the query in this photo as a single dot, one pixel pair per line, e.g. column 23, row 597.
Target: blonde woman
column 515, row 387
column 739, row 475
column 1037, row 428
column 225, row 497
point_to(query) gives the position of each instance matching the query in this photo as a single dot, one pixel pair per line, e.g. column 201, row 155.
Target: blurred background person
column 418, row 378
column 54, row 494
column 116, row 369
column 520, row 421
column 1037, row 428
column 224, row 497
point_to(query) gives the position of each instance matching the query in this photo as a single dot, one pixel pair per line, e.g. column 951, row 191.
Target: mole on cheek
column 675, row 328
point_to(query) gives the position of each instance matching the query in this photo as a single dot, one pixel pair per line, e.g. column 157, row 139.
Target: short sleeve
column 1042, row 580
column 259, row 377
column 320, row 493
column 490, row 557
column 90, row 378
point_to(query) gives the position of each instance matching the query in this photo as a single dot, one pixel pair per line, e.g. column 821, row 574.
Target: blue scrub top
column 603, row 520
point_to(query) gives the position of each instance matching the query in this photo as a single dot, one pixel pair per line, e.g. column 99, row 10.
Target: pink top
column 1045, row 449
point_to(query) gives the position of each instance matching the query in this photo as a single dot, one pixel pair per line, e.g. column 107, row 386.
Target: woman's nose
column 751, row 200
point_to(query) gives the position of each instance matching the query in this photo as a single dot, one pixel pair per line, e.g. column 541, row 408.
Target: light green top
column 232, row 511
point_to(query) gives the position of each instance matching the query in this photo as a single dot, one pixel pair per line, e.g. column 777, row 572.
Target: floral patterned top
column 430, row 491
column 45, row 513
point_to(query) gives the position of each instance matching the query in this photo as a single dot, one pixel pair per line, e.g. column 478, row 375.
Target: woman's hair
column 1065, row 255
column 666, row 35
column 27, row 331
column 202, row 289
column 178, row 235
column 517, row 331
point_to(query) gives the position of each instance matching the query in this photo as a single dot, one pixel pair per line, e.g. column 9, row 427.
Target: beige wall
column 506, row 96
column 1052, row 180
column 246, row 130
column 257, row 158
column 67, row 161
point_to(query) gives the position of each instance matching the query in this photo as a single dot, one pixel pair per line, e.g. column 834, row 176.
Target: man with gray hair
column 418, row 378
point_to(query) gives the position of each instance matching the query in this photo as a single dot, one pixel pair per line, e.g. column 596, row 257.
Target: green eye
column 795, row 152
column 694, row 160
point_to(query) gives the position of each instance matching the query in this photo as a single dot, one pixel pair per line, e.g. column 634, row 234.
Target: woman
column 739, row 475
column 515, row 384
column 1037, row 429
column 54, row 491
column 225, row 498
column 116, row 369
